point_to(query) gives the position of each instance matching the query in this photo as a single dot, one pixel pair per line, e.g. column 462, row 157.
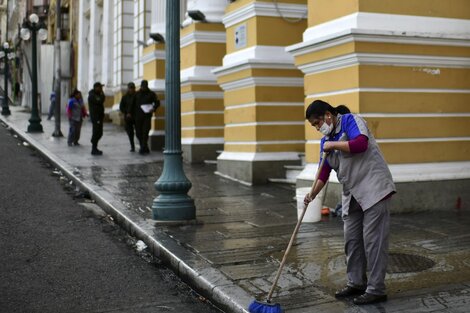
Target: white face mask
column 326, row 129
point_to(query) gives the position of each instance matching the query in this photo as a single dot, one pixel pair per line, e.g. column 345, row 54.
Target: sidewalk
column 233, row 251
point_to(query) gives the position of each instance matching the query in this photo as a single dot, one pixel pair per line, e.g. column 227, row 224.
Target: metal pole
column 57, row 81
column 5, row 107
column 35, row 121
column 173, row 203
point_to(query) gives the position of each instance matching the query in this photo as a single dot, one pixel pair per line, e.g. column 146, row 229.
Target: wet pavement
column 232, row 252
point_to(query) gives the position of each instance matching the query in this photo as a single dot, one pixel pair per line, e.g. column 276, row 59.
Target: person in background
column 51, row 106
column 76, row 112
column 367, row 190
column 127, row 107
column 96, row 100
column 146, row 103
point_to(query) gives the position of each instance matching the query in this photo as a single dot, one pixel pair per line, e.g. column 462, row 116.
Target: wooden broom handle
column 294, row 234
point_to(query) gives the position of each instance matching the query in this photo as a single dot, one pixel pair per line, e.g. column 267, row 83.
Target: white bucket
column 313, row 213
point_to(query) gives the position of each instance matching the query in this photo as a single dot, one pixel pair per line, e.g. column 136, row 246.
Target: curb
column 192, row 269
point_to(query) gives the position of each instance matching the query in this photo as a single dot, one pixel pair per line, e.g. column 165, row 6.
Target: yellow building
column 404, row 65
column 263, row 90
column 203, row 45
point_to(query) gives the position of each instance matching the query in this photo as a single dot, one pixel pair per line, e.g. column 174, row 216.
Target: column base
column 35, row 127
column 255, row 168
column 156, row 140
column 6, row 111
column 198, row 153
column 420, row 187
column 116, row 117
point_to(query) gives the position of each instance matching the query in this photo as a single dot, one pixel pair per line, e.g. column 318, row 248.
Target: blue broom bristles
column 264, row 307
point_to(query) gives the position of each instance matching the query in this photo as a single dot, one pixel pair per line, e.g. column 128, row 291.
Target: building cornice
column 431, row 64
column 297, row 11
column 387, row 28
column 256, row 57
column 202, row 36
column 263, row 81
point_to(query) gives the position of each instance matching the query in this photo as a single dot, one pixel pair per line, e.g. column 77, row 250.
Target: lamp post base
column 173, row 207
column 6, row 111
column 35, row 126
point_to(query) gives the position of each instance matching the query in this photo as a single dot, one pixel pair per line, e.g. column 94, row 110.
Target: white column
column 142, row 19
column 108, row 43
column 158, row 17
column 95, row 37
column 83, row 43
column 123, row 42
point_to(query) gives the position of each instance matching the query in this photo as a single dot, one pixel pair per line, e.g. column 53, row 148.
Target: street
column 59, row 256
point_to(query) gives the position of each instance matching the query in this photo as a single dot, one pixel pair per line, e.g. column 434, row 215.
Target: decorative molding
column 202, row 112
column 153, row 133
column 407, row 140
column 266, row 56
column 404, row 173
column 157, row 85
column 388, row 90
column 265, row 9
column 266, row 142
column 202, row 141
column 260, row 64
column 202, row 95
column 259, row 156
column 386, row 28
column 265, row 104
column 198, row 74
column 263, row 81
column 390, row 24
column 386, row 59
column 203, row 36
column 154, row 55
column 413, row 115
column 202, row 127
column 274, row 123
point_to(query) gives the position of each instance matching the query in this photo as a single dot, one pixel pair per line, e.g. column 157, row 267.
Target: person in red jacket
column 76, row 111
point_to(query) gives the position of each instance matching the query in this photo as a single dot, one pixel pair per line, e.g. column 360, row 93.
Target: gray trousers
column 366, row 245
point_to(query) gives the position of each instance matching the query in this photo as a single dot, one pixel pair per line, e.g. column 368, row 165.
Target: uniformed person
column 367, row 189
column 96, row 107
column 146, row 104
column 127, row 107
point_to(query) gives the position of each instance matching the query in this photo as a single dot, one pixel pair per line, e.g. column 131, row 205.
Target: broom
column 267, row 306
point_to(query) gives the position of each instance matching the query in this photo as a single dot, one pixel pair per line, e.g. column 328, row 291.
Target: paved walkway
column 231, row 254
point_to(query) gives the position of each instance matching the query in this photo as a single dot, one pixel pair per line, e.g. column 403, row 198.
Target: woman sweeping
column 367, row 189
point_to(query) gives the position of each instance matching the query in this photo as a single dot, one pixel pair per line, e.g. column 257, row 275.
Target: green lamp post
column 32, row 29
column 7, row 54
column 173, row 203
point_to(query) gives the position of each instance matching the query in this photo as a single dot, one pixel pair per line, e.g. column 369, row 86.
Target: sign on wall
column 240, row 36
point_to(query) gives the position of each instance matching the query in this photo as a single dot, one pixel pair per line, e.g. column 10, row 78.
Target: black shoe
column 349, row 291
column 368, row 298
column 132, row 148
column 76, row 144
column 96, row 152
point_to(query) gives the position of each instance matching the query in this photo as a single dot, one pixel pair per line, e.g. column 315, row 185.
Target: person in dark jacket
column 127, row 107
column 146, row 103
column 96, row 107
